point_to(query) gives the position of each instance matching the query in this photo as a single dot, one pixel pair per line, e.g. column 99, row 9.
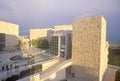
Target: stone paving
column 5, row 74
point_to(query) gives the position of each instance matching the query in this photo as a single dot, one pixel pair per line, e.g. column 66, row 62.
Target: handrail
column 113, row 66
column 62, row 64
column 59, row 66
column 27, row 67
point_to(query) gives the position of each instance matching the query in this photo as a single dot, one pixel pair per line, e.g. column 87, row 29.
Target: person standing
column 11, row 66
column 15, row 67
column 7, row 68
column 3, row 68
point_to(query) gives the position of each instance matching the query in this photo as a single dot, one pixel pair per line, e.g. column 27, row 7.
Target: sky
column 29, row 14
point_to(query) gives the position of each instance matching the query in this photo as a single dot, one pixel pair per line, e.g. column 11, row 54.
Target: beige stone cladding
column 89, row 49
column 103, row 51
column 9, row 28
column 11, row 32
column 63, row 27
column 43, row 33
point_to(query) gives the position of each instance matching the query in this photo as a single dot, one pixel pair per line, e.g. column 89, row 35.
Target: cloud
column 66, row 7
column 47, row 13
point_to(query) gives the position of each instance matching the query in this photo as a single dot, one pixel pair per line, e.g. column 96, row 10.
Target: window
column 2, row 42
column 73, row 74
column 62, row 39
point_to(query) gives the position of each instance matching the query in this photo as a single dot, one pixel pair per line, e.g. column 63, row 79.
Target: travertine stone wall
column 11, row 32
column 9, row 28
column 63, row 27
column 89, row 50
column 43, row 33
column 104, row 50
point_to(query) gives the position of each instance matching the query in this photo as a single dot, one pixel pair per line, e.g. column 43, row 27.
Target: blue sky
column 48, row 13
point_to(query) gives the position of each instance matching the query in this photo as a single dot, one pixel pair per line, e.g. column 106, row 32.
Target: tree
column 37, row 68
column 35, row 42
column 114, row 56
column 117, row 77
column 43, row 44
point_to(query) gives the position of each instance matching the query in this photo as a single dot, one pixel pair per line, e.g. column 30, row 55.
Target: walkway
column 111, row 73
column 63, row 63
column 5, row 74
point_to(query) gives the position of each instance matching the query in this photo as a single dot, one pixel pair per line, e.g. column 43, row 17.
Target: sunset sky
column 48, row 13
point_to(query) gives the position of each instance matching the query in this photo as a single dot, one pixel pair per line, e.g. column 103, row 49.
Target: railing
column 115, row 67
column 58, row 66
column 25, row 68
column 62, row 64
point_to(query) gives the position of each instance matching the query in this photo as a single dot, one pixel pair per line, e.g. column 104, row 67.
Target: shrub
column 37, row 68
column 117, row 78
column 13, row 78
column 25, row 72
column 114, row 56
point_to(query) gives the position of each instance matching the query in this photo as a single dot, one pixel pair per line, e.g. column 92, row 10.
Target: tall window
column 2, row 42
column 54, row 45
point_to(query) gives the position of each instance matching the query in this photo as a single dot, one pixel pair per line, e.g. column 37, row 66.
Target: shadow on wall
column 58, row 76
column 8, row 42
column 81, row 73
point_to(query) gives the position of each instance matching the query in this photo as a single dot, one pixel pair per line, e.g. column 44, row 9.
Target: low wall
column 57, row 76
column 34, row 77
column 48, row 64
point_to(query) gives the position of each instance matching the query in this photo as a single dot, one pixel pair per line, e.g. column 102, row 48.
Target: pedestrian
column 18, row 68
column 3, row 68
column 7, row 67
column 15, row 67
column 11, row 66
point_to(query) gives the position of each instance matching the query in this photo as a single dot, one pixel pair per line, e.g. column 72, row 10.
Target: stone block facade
column 43, row 33
column 89, row 49
column 11, row 34
column 9, row 28
column 63, row 27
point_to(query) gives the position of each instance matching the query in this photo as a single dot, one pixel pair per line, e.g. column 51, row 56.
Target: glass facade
column 54, row 45
column 2, row 42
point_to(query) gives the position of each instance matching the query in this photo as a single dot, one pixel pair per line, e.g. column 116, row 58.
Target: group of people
column 10, row 67
column 7, row 67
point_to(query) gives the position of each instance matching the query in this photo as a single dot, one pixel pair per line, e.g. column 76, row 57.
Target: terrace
column 8, row 68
